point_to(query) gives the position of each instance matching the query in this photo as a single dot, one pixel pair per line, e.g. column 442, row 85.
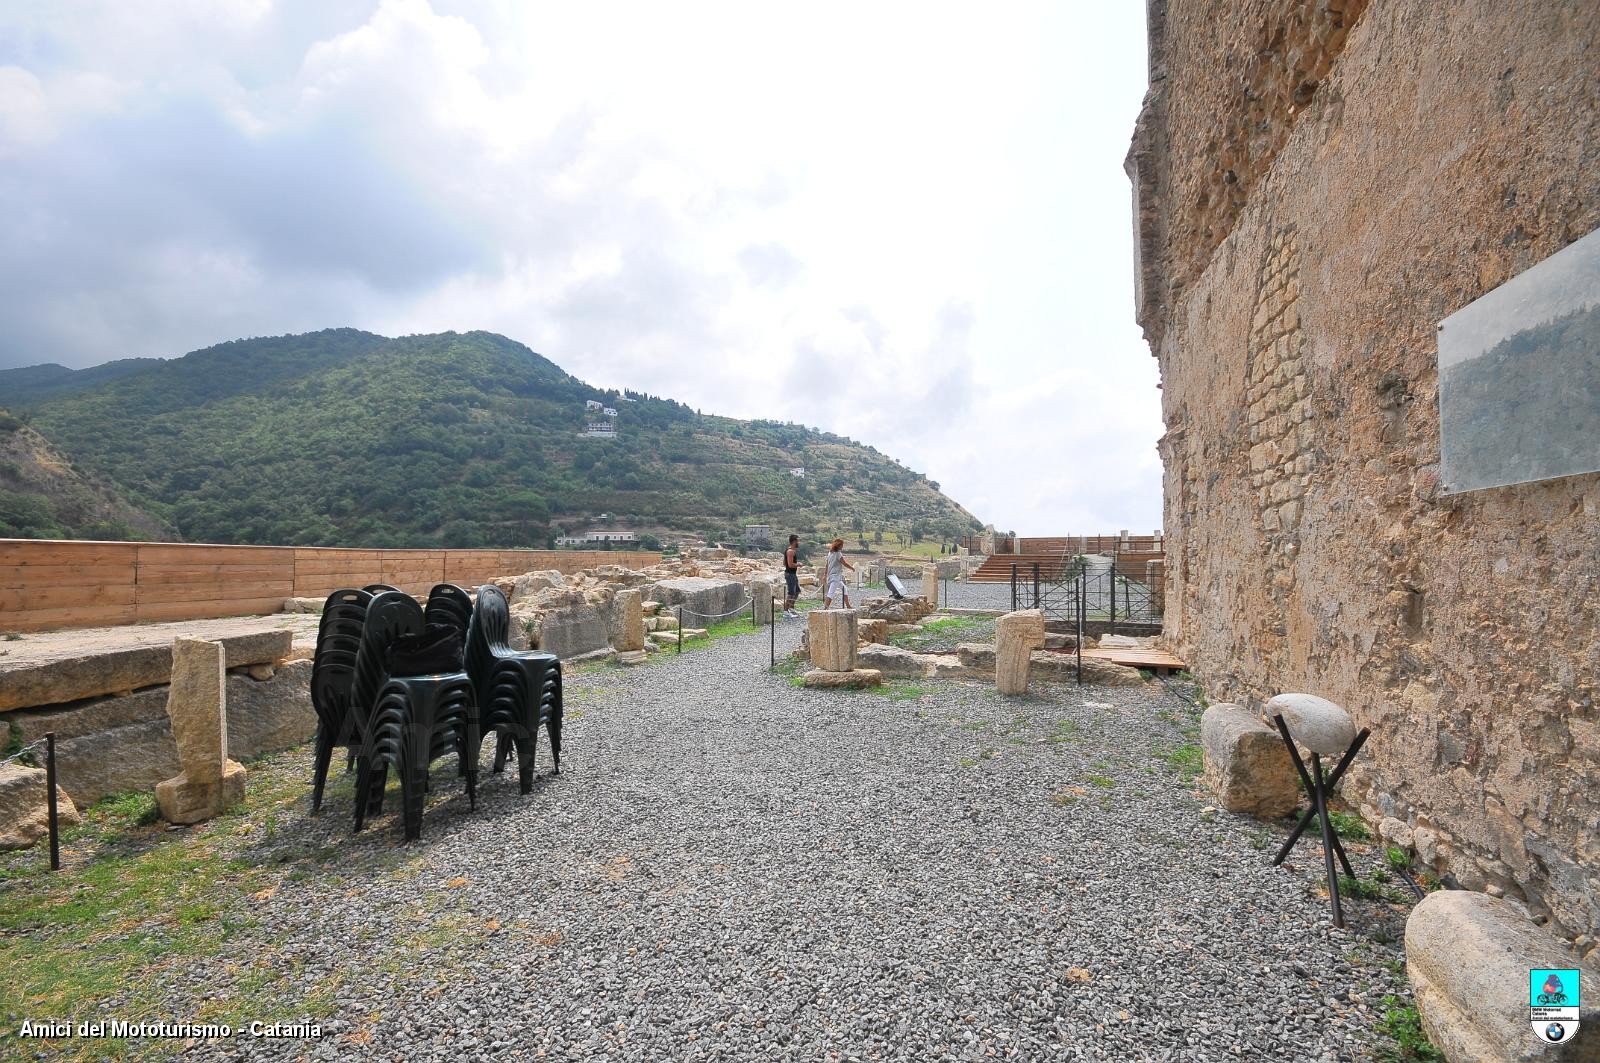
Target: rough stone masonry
column 1317, row 186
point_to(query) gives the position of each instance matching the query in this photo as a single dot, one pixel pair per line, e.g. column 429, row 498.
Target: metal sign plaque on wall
column 1519, row 377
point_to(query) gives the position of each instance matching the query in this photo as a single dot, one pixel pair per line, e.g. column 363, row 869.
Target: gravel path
column 731, row 868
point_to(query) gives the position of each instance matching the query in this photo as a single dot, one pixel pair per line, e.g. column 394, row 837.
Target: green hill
column 43, row 496
column 345, row 438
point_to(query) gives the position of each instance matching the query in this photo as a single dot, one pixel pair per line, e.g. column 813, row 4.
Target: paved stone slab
column 855, row 678
column 38, row 671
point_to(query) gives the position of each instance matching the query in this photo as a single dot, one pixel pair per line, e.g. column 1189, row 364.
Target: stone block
column 118, row 671
column 1315, row 723
column 196, row 705
column 1063, row 668
column 573, row 630
column 976, row 656
column 703, row 599
column 25, row 806
column 628, row 618
column 831, row 639
column 1468, row 956
column 930, row 585
column 186, row 800
column 1017, row 635
column 873, row 631
column 892, row 660
column 1246, row 763
column 856, row 678
column 761, row 595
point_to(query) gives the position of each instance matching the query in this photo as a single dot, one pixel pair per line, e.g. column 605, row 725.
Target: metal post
column 772, row 635
column 50, row 782
column 1013, row 586
column 1113, row 597
column 1127, row 607
column 1327, row 841
column 1036, row 584
column 1078, row 584
column 680, row 629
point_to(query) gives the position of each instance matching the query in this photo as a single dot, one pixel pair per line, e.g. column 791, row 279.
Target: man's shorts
column 791, row 582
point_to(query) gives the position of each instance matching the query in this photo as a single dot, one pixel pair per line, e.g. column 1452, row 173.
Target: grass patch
column 1349, row 827
column 901, row 690
column 1103, row 781
column 1403, row 1027
column 1187, row 760
column 133, row 900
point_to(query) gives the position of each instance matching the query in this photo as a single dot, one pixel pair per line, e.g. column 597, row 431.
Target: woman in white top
column 836, row 566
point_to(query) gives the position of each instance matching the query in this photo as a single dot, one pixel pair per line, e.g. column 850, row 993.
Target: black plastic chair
column 406, row 722
column 333, row 668
column 518, row 692
column 451, row 606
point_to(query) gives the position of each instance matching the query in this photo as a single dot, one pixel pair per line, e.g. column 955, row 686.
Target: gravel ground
column 731, row 868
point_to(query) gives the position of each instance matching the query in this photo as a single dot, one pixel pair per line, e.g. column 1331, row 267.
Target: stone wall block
column 831, row 639
column 1246, row 763
column 1017, row 635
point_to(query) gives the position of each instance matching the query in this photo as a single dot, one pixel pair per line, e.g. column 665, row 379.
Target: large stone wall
column 1419, row 155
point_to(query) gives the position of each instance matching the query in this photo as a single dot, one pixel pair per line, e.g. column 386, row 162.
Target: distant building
column 799, row 472
column 589, row 538
column 609, row 411
column 758, row 535
column 593, row 404
column 600, row 428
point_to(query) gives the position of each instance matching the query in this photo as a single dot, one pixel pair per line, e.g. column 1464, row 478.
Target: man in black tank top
column 791, row 577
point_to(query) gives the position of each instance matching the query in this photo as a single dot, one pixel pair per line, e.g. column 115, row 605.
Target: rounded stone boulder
column 1316, row 723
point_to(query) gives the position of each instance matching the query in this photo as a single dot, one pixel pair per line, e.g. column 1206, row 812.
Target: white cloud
column 904, row 223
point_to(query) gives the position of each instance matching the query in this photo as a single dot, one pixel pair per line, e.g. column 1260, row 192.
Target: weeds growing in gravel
column 1349, row 827
column 900, row 690
column 1188, row 760
column 1403, row 1027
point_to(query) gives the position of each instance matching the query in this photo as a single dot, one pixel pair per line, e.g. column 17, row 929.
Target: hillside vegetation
column 345, row 438
column 43, row 496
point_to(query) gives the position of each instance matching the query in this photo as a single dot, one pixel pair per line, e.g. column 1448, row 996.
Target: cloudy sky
column 904, row 223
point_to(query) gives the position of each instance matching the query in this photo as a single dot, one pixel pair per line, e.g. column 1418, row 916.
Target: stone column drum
column 630, row 621
column 761, row 593
column 1017, row 635
column 930, row 584
column 196, row 704
column 831, row 635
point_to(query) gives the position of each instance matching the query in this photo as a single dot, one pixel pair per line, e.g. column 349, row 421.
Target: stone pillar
column 1017, row 635
column 822, row 579
column 761, row 592
column 930, row 584
column 831, row 635
column 197, row 706
column 630, row 621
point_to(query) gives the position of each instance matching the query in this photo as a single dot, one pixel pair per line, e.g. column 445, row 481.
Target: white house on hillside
column 590, row 538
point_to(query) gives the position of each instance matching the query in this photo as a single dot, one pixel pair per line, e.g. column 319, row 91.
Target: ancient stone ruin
column 1317, row 187
column 197, row 706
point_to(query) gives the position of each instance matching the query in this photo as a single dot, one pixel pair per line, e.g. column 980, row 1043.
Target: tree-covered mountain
column 43, row 496
column 345, row 438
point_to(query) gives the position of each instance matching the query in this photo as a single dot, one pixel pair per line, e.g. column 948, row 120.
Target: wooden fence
column 46, row 583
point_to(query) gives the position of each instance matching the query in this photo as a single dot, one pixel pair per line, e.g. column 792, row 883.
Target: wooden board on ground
column 1148, row 658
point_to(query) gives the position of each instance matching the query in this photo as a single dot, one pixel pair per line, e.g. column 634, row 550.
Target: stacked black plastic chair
column 332, row 675
column 518, row 692
column 449, row 605
column 413, row 720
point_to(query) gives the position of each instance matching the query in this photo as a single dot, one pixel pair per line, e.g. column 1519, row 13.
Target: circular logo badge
column 1554, row 1032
